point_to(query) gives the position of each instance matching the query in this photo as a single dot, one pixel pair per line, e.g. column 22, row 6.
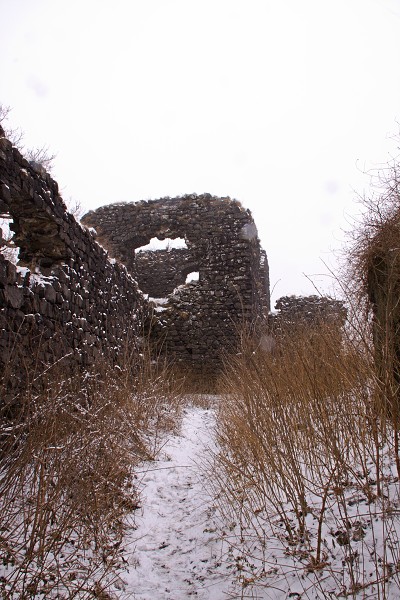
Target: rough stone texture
column 200, row 320
column 68, row 303
column 309, row 309
column 65, row 301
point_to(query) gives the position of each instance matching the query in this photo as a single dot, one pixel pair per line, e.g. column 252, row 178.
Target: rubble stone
column 67, row 301
column 199, row 321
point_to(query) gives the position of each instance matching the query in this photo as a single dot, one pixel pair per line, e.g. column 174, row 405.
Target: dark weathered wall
column 200, row 320
column 66, row 299
column 309, row 310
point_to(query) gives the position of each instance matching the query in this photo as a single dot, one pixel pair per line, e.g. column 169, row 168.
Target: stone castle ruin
column 67, row 301
column 199, row 320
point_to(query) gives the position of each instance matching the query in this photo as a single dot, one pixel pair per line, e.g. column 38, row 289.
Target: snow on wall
column 71, row 299
column 66, row 301
column 200, row 320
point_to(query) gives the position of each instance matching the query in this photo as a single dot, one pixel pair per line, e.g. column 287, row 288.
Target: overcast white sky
column 278, row 103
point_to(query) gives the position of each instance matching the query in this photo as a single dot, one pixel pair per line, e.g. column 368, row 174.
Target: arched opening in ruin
column 164, row 264
column 194, row 319
column 162, row 244
column 7, row 246
column 192, row 276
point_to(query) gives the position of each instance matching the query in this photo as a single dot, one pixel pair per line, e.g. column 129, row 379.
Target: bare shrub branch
column 68, row 452
column 40, row 156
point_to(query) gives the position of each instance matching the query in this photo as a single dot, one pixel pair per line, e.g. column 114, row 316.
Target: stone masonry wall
column 200, row 320
column 310, row 310
column 65, row 301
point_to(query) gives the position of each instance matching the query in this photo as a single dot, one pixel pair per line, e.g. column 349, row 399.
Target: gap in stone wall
column 194, row 321
column 193, row 276
column 162, row 265
column 165, row 244
column 10, row 251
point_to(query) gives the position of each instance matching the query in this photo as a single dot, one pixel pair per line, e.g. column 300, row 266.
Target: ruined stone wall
column 65, row 301
column 200, row 320
column 309, row 310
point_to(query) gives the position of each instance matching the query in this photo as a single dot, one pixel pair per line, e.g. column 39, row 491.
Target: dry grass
column 197, row 379
column 372, row 270
column 299, row 439
column 309, row 432
column 67, row 461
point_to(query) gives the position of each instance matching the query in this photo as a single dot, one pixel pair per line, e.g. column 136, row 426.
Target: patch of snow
column 22, row 270
column 183, row 547
column 176, row 551
column 43, row 279
column 158, row 300
column 178, row 289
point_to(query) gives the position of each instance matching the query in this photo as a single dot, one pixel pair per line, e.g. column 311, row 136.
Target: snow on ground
column 181, row 547
column 176, row 552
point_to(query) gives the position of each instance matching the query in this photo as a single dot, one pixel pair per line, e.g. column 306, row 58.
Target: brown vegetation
column 299, row 436
column 309, row 428
column 67, row 461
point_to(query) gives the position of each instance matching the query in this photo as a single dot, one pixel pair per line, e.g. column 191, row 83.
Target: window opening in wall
column 167, row 244
column 7, row 248
column 194, row 276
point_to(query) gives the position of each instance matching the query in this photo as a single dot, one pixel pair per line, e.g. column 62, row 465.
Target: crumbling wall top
column 200, row 320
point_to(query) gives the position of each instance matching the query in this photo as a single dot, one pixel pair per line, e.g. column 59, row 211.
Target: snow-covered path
column 182, row 548
column 175, row 553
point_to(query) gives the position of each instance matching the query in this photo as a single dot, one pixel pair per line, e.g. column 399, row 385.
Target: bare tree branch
column 39, row 157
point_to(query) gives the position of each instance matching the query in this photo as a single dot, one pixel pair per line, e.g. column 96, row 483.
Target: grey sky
column 279, row 104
